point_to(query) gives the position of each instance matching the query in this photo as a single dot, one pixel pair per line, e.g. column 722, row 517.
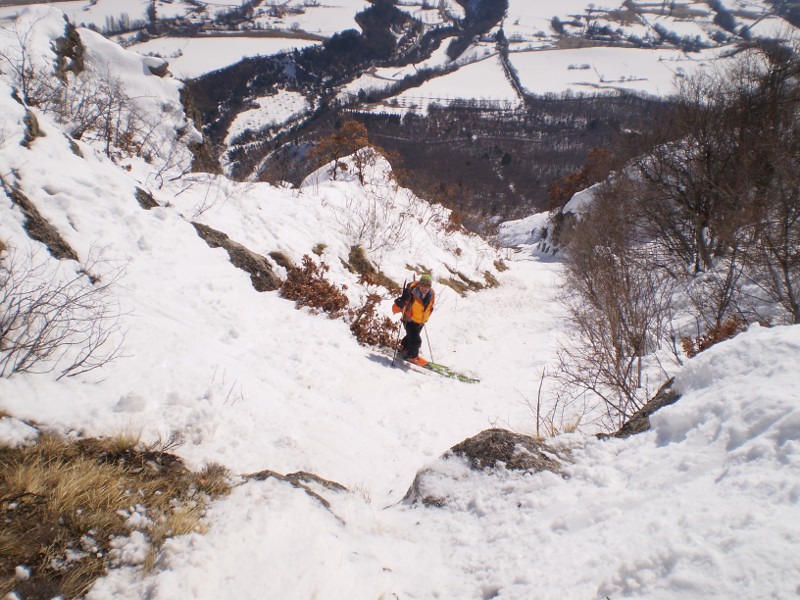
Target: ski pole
column 427, row 339
column 396, row 344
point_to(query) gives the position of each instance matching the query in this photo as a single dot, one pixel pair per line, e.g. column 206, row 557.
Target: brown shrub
column 597, row 167
column 717, row 333
column 369, row 328
column 307, row 286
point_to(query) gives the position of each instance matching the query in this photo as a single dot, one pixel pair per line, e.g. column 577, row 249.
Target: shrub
column 716, row 334
column 307, row 286
column 618, row 305
column 369, row 328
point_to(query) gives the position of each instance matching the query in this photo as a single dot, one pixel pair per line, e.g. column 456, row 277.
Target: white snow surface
column 704, row 505
column 607, row 70
column 192, row 57
column 267, row 112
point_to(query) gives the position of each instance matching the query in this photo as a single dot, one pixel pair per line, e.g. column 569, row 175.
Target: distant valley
column 482, row 104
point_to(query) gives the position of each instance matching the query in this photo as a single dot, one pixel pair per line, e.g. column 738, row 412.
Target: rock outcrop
column 490, row 450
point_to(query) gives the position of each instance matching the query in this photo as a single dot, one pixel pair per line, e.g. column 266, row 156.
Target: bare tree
column 773, row 257
column 713, row 207
column 773, row 260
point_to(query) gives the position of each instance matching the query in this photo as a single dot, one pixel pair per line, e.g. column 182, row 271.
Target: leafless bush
column 374, row 221
column 712, row 209
column 212, row 190
column 96, row 108
column 55, row 322
column 92, row 104
column 37, row 82
column 363, row 159
column 16, row 57
column 617, row 302
column 553, row 421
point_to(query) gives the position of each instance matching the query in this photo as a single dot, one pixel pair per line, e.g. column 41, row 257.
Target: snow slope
column 705, row 505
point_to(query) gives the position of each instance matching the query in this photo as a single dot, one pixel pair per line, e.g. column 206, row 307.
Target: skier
column 416, row 306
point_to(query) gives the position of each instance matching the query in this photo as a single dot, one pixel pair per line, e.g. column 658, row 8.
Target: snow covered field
column 608, row 70
column 192, row 57
column 705, row 505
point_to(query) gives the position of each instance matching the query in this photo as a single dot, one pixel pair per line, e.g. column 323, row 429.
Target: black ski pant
column 413, row 338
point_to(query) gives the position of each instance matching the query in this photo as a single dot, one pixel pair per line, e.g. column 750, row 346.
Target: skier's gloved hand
column 399, row 302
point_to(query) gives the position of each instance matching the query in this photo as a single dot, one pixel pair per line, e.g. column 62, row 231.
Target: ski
column 433, row 367
column 442, row 370
column 448, row 372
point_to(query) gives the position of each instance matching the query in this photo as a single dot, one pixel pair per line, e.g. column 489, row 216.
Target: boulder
column 492, row 451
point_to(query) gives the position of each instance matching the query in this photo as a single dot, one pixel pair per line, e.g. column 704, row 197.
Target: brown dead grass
column 715, row 334
column 63, row 501
column 357, row 262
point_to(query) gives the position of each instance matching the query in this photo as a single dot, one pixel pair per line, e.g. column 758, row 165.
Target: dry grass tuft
column 282, row 260
column 214, row 480
column 457, row 285
column 124, row 441
column 500, row 265
column 491, row 280
column 62, row 502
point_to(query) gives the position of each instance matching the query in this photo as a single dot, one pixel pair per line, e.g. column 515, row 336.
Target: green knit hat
column 426, row 279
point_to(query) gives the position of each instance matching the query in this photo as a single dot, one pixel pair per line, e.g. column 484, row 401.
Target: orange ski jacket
column 415, row 305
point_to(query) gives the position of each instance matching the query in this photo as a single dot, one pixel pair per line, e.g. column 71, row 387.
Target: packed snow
column 704, row 505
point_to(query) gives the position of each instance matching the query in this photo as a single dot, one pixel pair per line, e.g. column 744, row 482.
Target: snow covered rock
column 262, row 276
column 512, row 450
column 491, row 451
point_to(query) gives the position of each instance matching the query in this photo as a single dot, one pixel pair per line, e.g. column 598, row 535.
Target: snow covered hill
column 705, row 505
